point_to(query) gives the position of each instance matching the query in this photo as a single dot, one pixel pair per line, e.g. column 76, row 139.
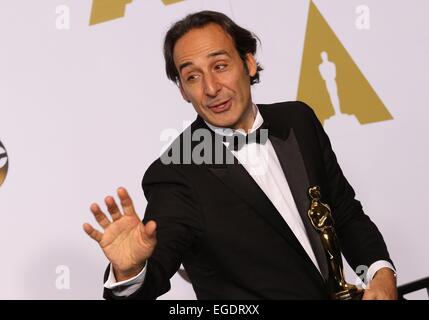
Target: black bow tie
column 237, row 140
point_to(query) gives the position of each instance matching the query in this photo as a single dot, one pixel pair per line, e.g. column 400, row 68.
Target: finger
column 113, row 209
column 99, row 216
column 150, row 229
column 94, row 234
column 126, row 202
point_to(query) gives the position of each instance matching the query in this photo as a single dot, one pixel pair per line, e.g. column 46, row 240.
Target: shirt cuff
column 126, row 287
column 373, row 268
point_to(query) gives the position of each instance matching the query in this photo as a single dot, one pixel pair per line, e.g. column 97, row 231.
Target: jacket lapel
column 292, row 163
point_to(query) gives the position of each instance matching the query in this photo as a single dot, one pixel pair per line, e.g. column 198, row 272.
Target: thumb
column 150, row 229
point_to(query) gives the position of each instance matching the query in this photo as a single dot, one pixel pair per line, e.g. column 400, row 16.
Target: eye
column 221, row 66
column 192, row 77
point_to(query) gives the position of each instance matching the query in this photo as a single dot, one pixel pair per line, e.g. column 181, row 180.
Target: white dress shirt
column 261, row 162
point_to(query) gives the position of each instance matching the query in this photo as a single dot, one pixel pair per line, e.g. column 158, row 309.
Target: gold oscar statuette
column 321, row 219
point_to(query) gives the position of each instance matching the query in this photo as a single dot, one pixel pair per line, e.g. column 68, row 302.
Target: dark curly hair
column 244, row 40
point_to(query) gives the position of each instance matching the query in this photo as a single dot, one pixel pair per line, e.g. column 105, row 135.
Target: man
column 240, row 233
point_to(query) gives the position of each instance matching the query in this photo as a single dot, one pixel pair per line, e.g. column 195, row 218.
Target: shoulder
column 171, row 167
column 159, row 172
column 288, row 113
column 286, row 107
column 169, row 164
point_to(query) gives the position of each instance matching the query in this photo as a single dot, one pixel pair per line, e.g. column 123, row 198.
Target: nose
column 211, row 85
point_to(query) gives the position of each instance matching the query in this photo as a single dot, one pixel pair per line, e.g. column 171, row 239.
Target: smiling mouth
column 221, row 107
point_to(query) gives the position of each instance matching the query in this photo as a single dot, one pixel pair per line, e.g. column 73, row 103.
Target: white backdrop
column 82, row 110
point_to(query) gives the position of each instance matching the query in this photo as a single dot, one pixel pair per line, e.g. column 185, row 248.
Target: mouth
column 221, row 107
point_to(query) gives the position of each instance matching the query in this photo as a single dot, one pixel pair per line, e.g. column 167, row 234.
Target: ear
column 251, row 64
column 182, row 91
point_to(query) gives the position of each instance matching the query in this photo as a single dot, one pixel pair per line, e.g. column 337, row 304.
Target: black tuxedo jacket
column 232, row 241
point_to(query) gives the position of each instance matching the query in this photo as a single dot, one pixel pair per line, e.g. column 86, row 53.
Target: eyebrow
column 210, row 55
column 218, row 53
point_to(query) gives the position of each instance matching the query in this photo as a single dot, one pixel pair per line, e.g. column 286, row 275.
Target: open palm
column 126, row 241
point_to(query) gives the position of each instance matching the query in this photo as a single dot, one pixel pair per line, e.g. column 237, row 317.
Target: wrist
column 125, row 274
column 385, row 273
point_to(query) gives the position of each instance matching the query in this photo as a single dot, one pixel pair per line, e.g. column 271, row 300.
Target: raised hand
column 126, row 241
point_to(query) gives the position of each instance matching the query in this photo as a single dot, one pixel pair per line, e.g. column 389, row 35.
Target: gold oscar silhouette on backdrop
column 321, row 219
column 339, row 83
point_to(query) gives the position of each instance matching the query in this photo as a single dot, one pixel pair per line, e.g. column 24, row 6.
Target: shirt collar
column 229, row 131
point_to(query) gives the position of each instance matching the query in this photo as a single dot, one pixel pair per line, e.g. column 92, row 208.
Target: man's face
column 213, row 77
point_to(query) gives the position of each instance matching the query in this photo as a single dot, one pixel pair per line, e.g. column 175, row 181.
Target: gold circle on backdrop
column 4, row 163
